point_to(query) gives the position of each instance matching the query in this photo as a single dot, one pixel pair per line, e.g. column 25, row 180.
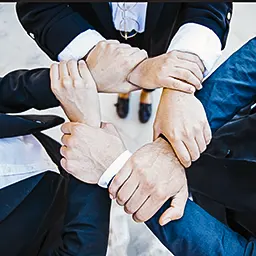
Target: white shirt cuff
column 113, row 169
column 80, row 45
column 200, row 40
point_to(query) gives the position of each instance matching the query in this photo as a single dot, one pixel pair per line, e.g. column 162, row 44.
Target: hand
column 110, row 62
column 174, row 70
column 88, row 151
column 76, row 90
column 182, row 120
column 148, row 179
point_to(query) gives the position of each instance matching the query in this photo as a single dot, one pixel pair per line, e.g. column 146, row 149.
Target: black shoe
column 122, row 107
column 145, row 112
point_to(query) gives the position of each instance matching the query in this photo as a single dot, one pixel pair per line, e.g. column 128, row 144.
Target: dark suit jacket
column 48, row 214
column 55, row 25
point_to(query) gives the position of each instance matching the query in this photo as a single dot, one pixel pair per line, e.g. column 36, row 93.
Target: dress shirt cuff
column 81, row 45
column 113, row 169
column 200, row 40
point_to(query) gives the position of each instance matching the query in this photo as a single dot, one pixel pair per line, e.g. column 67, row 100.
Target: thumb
column 176, row 210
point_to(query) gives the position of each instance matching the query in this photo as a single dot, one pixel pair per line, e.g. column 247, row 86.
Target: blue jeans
column 231, row 87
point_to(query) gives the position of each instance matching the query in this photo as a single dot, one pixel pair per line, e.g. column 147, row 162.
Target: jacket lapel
column 103, row 11
column 153, row 13
column 12, row 196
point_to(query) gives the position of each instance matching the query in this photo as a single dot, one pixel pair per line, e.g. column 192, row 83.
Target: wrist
column 136, row 75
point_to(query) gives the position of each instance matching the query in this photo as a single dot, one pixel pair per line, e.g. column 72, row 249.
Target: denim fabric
column 199, row 234
column 231, row 87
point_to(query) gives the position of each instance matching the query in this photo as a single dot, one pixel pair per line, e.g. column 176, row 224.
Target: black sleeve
column 86, row 223
column 25, row 89
column 215, row 16
column 48, row 22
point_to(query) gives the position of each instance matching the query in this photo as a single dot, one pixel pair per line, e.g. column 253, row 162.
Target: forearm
column 25, row 89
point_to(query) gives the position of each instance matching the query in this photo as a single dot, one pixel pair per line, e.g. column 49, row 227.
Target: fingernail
column 111, row 197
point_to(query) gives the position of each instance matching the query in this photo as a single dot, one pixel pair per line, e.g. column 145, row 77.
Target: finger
column 65, row 140
column 178, row 85
column 67, row 127
column 83, row 70
column 191, row 57
column 176, row 209
column 112, row 41
column 73, row 69
column 192, row 67
column 63, row 163
column 63, row 69
column 63, row 151
column 187, row 76
column 54, row 73
column 122, row 45
column 207, row 133
column 148, row 209
column 181, row 152
column 120, row 179
column 138, row 198
column 200, row 140
column 127, row 190
column 192, row 148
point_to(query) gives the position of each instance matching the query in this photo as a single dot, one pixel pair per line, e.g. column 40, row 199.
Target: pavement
column 19, row 51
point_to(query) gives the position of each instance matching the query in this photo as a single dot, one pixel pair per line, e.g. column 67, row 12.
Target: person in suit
column 183, row 41
column 44, row 210
column 222, row 181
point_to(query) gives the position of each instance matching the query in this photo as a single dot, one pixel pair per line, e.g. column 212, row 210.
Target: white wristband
column 113, row 169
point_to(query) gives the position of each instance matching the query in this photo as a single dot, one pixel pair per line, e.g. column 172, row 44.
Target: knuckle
column 160, row 194
column 66, row 81
column 77, row 82
column 70, row 62
column 149, row 185
column 172, row 54
column 102, row 44
column 115, row 185
column 197, row 128
column 68, row 166
column 185, row 133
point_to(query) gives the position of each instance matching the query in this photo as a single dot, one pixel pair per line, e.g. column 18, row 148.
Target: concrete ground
column 18, row 51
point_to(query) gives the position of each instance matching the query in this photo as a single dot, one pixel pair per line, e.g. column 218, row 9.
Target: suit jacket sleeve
column 48, row 21
column 86, row 223
column 25, row 89
column 211, row 15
